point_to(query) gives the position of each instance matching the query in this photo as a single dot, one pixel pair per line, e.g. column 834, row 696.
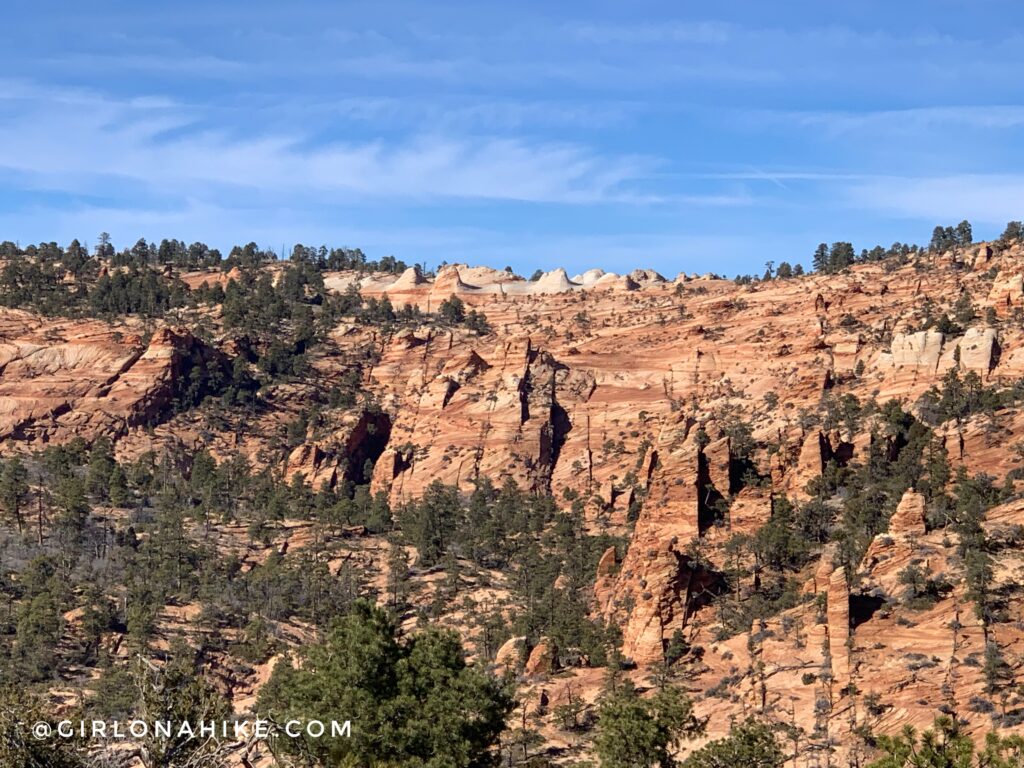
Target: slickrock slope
column 626, row 391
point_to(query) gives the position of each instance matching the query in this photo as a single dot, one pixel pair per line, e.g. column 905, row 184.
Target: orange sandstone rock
column 542, row 659
column 909, row 515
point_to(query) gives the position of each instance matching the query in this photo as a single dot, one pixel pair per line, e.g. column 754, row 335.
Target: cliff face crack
column 552, row 438
column 537, row 398
column 365, row 445
column 525, row 386
column 690, row 589
column 21, row 430
column 709, row 499
column 131, row 361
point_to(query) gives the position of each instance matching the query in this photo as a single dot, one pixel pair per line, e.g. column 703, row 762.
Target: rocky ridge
column 623, row 390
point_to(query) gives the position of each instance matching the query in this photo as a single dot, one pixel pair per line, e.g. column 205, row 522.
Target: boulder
column 510, row 652
column 542, row 659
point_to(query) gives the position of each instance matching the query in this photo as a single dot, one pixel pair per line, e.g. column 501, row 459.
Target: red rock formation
column 509, row 655
column 814, row 453
column 839, row 627
column 542, row 659
column 662, row 588
column 718, row 461
column 606, row 565
column 908, row 519
column 1007, row 292
column 85, row 380
column 600, row 391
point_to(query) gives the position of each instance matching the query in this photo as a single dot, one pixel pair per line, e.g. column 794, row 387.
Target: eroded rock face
column 718, row 460
column 977, row 350
column 655, row 593
column 918, row 351
column 350, row 453
column 1007, row 292
column 814, row 453
column 606, row 565
column 599, row 386
column 86, row 379
column 839, row 626
column 502, row 412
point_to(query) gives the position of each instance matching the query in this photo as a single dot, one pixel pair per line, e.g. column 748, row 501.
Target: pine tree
column 820, row 260
column 964, row 234
column 1014, row 233
column 14, row 489
column 413, row 701
column 398, row 577
column 750, row 744
column 634, row 732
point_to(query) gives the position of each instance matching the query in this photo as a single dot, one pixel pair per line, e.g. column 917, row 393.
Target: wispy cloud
column 986, row 198
column 184, row 63
column 702, row 32
column 133, row 140
column 464, row 114
column 986, row 116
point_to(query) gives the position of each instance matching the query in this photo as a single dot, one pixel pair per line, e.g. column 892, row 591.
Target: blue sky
column 682, row 136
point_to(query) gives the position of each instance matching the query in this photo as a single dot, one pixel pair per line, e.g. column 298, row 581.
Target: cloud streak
column 149, row 141
column 986, row 198
column 911, row 120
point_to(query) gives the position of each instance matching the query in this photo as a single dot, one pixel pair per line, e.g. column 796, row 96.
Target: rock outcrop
column 909, row 517
column 663, row 587
column 510, row 654
column 1007, row 292
column 838, row 612
column 917, row 351
column 85, row 380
